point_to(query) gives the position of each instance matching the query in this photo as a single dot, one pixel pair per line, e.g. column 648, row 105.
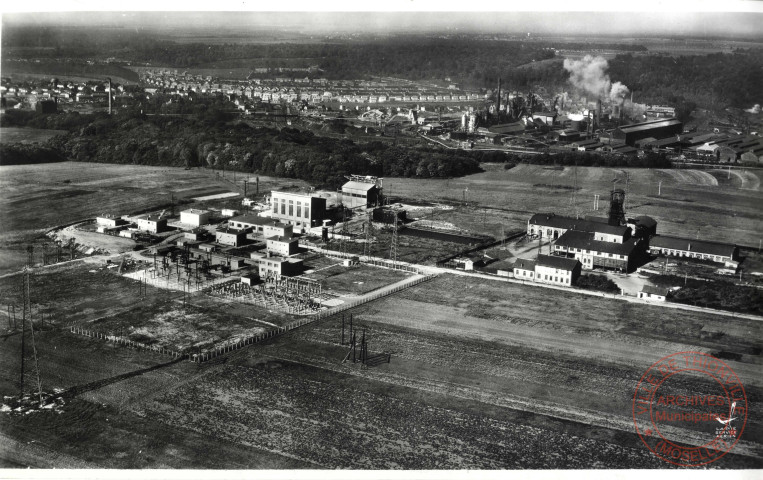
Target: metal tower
column 367, row 245
column 616, row 209
column 393, row 243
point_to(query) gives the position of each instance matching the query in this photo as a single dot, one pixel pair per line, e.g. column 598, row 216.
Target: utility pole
column 23, row 335
column 659, row 188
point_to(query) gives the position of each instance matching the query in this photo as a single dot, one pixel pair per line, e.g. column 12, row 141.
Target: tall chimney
column 598, row 112
column 498, row 110
column 622, row 107
column 109, row 79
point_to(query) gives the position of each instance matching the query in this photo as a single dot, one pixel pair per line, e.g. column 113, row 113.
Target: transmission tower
column 393, row 243
column 367, row 245
column 344, row 232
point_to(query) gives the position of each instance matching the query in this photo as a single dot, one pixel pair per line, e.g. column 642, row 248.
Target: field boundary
column 216, row 352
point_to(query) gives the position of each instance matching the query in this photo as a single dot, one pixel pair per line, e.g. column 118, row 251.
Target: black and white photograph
column 399, row 240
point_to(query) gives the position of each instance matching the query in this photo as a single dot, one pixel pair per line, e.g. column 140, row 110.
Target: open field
column 27, row 135
column 342, row 281
column 483, row 374
column 689, row 200
column 472, row 383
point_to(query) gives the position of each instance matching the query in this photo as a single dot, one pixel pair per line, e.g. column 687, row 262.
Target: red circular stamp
column 689, row 408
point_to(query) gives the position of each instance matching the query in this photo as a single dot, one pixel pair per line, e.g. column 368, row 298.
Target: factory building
column 584, row 246
column 110, row 222
column 282, row 246
column 663, row 128
column 690, row 248
column 230, row 237
column 548, row 269
column 263, row 226
column 194, row 217
column 361, row 192
column 273, row 266
column 151, row 223
column 300, row 210
column 550, row 225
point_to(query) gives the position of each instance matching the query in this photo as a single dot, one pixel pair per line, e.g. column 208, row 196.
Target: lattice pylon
column 367, row 245
column 393, row 243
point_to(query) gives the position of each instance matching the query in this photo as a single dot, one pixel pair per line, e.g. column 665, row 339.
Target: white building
column 282, row 246
column 194, row 217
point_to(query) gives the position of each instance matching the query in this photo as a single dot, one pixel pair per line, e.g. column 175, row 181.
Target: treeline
column 707, row 80
column 21, row 154
column 590, row 159
column 713, row 294
column 289, row 152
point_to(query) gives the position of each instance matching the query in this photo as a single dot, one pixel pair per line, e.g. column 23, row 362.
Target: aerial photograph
column 429, row 239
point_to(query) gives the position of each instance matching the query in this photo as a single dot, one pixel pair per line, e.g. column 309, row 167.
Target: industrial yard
column 382, row 241
column 480, row 353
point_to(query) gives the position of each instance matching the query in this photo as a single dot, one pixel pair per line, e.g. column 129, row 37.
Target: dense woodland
column 211, row 136
column 210, row 142
column 711, row 81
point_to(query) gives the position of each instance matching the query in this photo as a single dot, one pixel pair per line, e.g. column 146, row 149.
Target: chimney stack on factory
column 498, row 109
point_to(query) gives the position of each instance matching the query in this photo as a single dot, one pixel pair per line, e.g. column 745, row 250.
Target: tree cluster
column 21, row 154
column 597, row 282
column 713, row 294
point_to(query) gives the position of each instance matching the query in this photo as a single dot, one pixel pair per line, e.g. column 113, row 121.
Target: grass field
column 342, row 281
column 722, row 209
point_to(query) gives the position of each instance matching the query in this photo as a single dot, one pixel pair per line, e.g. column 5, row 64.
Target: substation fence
column 119, row 340
column 202, row 357
column 365, row 259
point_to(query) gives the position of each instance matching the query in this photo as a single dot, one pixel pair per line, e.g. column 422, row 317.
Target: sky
column 644, row 18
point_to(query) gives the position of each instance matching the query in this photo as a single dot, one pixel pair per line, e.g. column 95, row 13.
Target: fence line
column 223, row 349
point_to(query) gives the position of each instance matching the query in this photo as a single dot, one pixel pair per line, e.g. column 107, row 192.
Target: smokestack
column 499, row 96
column 622, row 106
column 257, row 186
column 109, row 79
column 598, row 112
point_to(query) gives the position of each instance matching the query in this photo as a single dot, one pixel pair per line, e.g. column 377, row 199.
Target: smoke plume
column 754, row 109
column 590, row 75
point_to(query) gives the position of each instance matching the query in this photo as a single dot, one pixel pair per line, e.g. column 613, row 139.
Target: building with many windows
column 690, row 248
column 300, row 210
column 549, row 269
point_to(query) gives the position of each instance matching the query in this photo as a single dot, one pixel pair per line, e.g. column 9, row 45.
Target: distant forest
column 211, row 142
column 710, row 81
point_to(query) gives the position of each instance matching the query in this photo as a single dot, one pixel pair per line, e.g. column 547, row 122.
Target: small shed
column 649, row 292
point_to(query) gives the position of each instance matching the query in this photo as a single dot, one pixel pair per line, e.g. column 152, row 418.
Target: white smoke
column 590, row 74
column 618, row 91
column 754, row 109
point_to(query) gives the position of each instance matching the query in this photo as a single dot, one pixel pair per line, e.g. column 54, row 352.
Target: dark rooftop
column 524, row 264
column 552, row 261
column 693, row 245
column 585, row 241
column 638, row 127
column 654, row 290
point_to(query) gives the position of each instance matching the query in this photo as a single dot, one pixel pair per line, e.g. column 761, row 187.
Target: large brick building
column 297, row 209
